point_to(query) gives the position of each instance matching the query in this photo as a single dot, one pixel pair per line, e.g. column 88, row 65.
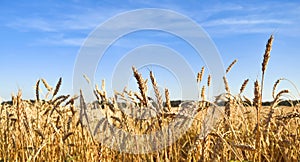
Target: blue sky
column 41, row 39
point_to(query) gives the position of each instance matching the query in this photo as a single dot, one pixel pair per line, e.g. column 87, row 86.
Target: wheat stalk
column 266, row 60
column 139, row 97
column 208, row 80
column 57, row 87
column 72, row 100
column 142, row 86
column 271, row 111
column 257, row 103
column 37, row 131
column 168, row 102
column 67, row 135
column 87, row 79
column 244, row 86
column 227, row 111
column 226, row 85
column 156, row 91
column 60, row 99
column 257, row 96
column 288, row 116
column 200, row 75
column 37, row 90
column 228, row 105
column 275, row 86
column 47, row 86
column 231, row 65
column 267, row 54
column 244, row 147
column 203, row 93
column 103, row 90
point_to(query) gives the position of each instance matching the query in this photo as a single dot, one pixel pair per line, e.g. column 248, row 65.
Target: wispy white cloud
column 251, row 18
column 81, row 20
column 233, row 21
column 61, row 41
column 223, row 7
column 238, row 19
column 169, row 22
column 39, row 24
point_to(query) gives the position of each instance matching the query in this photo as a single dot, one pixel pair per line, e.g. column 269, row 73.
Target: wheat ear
column 231, row 65
column 200, row 75
column 37, row 86
column 275, row 87
column 267, row 53
column 208, row 80
column 47, row 86
column 203, row 93
column 266, row 60
column 244, row 86
column 142, row 86
column 57, row 87
column 156, row 91
column 168, row 102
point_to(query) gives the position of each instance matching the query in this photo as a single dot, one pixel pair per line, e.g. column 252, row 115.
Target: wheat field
column 51, row 127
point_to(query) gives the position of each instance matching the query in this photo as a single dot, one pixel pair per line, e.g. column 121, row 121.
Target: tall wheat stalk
column 257, row 103
column 266, row 61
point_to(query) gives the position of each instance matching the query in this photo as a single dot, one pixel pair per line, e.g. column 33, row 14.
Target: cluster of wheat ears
column 53, row 128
